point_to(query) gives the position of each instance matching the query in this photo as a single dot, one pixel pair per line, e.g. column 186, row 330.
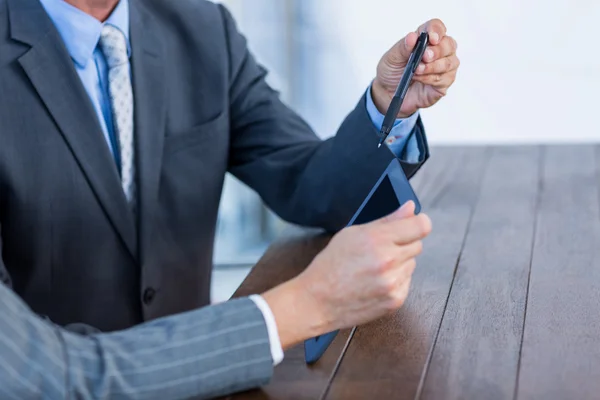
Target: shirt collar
column 81, row 31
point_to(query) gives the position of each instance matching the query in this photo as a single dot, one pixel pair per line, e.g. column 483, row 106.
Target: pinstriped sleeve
column 32, row 356
column 204, row 353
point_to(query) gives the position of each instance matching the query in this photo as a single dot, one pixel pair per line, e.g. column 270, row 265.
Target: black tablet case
column 391, row 191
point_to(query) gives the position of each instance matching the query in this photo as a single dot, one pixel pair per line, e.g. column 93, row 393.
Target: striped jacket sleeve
column 202, row 354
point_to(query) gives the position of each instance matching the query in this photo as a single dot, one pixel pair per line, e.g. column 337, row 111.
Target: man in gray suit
column 118, row 122
column 363, row 273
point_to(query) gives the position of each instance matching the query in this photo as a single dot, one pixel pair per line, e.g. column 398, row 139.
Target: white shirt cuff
column 276, row 349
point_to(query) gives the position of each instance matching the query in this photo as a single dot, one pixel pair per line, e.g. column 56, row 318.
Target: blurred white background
column 530, row 73
column 530, row 68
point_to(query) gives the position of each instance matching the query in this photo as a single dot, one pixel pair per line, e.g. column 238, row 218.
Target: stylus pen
column 413, row 62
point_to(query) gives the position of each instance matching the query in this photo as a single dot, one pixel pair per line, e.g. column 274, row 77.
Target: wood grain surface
column 389, row 355
column 561, row 347
column 477, row 351
column 504, row 303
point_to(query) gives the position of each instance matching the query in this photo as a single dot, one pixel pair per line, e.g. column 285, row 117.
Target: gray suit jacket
column 70, row 247
column 203, row 353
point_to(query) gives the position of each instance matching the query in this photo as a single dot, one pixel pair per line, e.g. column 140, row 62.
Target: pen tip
column 379, row 145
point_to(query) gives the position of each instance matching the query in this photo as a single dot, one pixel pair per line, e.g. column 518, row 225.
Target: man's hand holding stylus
column 433, row 77
column 364, row 273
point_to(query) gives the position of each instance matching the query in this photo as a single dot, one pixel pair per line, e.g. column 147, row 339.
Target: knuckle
column 446, row 43
column 412, row 250
column 447, row 64
column 421, row 229
column 418, row 248
column 391, row 304
column 436, row 22
column 396, row 301
column 425, row 224
column 383, row 263
column 401, row 299
column 409, row 251
column 416, row 227
column 389, row 286
column 388, row 305
column 440, row 25
column 384, row 288
column 411, row 266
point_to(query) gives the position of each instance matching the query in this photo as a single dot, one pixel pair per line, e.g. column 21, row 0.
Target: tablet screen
column 382, row 202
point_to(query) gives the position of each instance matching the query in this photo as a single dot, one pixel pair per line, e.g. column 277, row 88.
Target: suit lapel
column 51, row 72
column 150, row 112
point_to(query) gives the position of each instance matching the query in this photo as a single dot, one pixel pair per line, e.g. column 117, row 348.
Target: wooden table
column 505, row 301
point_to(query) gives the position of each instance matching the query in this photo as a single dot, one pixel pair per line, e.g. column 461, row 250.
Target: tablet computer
column 390, row 192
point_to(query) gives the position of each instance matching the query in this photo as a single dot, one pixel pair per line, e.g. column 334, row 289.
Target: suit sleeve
column 204, row 353
column 304, row 179
column 4, row 275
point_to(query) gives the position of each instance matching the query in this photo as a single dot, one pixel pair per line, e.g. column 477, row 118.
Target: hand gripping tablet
column 390, row 192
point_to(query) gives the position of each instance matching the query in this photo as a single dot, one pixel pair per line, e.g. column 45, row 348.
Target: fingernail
column 420, row 68
column 429, row 54
column 406, row 205
column 434, row 37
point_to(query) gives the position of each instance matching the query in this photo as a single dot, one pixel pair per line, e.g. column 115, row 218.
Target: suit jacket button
column 149, row 294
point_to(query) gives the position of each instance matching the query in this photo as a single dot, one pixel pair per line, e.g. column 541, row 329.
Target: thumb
column 400, row 53
column 407, row 210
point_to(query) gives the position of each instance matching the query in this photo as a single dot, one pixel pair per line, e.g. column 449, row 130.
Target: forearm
column 204, row 353
column 296, row 315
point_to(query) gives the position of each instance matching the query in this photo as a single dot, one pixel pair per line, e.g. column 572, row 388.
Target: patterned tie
column 114, row 46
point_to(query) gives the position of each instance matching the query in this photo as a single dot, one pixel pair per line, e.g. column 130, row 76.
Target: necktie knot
column 114, row 46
